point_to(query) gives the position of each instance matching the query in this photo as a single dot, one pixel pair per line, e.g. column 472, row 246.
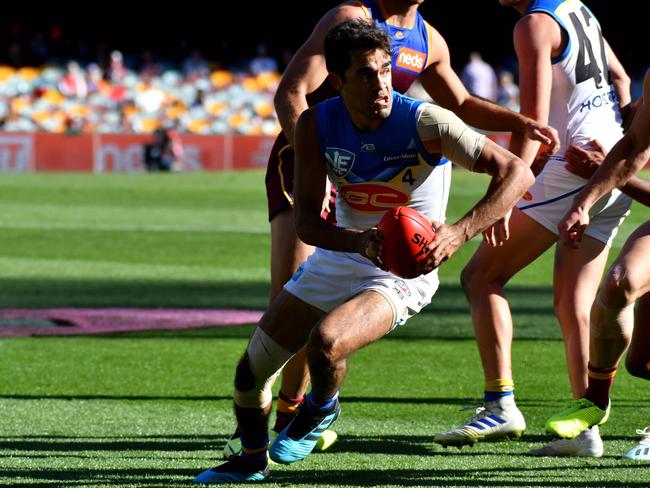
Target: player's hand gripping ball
column 407, row 233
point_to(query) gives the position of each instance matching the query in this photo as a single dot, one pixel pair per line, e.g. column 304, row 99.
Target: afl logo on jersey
column 410, row 59
column 369, row 197
column 339, row 160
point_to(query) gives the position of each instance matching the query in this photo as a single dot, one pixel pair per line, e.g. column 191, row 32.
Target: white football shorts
column 328, row 279
column 551, row 196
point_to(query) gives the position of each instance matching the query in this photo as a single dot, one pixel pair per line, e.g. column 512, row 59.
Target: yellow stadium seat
column 6, row 72
column 236, row 120
column 215, row 108
column 221, row 78
column 264, row 109
column 198, row 126
column 53, row 96
column 28, row 73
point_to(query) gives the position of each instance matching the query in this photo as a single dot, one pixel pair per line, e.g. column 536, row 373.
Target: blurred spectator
column 73, row 126
column 479, row 77
column 508, row 91
column 194, row 66
column 164, row 153
column 148, row 66
column 95, row 79
column 73, row 84
column 263, row 63
column 116, row 71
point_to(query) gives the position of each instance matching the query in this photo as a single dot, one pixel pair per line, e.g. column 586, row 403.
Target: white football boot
column 496, row 420
column 640, row 452
column 587, row 444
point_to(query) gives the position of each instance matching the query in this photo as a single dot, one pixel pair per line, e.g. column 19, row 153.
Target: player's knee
column 476, row 279
column 619, row 288
column 567, row 313
column 324, row 348
column 257, row 370
column 465, row 277
column 638, row 367
column 470, row 279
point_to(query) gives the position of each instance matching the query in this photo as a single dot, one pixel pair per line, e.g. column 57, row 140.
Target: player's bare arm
column 585, row 161
column 626, row 158
column 537, row 37
column 307, row 70
column 511, row 177
column 444, row 86
column 310, row 176
column 620, row 81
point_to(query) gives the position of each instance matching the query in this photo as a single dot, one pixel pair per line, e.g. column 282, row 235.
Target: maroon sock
column 599, row 383
column 286, row 411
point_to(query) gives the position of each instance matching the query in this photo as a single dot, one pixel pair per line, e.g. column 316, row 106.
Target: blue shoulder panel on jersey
column 549, row 7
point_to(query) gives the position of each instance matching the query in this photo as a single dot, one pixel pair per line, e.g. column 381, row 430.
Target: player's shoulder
column 534, row 30
column 430, row 113
column 536, row 20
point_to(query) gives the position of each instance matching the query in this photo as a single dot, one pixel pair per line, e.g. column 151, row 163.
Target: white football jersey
column 584, row 105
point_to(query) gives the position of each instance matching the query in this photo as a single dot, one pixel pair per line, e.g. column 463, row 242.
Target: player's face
column 367, row 89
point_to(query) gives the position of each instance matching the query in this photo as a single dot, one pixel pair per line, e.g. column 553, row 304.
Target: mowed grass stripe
column 133, row 228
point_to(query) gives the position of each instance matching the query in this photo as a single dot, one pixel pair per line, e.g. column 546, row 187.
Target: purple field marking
column 75, row 321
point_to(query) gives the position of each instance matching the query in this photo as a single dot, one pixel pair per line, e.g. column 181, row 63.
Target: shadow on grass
column 50, row 292
column 70, row 444
column 447, row 317
column 460, row 401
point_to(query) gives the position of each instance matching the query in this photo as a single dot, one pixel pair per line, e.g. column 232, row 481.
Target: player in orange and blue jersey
column 419, row 52
column 371, row 142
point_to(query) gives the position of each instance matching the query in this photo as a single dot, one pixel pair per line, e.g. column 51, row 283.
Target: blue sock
column 490, row 396
column 315, row 406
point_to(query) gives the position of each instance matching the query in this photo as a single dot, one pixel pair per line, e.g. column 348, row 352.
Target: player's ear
column 337, row 81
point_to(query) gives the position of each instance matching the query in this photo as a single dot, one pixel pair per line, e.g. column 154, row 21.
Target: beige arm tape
column 458, row 142
column 266, row 359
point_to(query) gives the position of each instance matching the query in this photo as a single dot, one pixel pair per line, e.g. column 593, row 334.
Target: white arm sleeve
column 456, row 140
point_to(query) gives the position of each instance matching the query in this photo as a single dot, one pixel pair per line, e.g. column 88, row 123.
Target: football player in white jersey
column 613, row 327
column 565, row 68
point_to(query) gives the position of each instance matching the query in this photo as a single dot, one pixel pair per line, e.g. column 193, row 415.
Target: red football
column 406, row 232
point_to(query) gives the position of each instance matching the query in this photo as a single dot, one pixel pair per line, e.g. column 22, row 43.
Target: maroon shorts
column 279, row 181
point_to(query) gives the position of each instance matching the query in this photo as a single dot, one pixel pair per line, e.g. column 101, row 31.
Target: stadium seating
column 50, row 99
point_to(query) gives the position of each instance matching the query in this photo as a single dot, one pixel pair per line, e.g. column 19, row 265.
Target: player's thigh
column 289, row 320
column 287, row 250
column 356, row 323
column 528, row 240
column 577, row 274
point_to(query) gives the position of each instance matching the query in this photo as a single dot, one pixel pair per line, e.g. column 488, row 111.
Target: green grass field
column 153, row 409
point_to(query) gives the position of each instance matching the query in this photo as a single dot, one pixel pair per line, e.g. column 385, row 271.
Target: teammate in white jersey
column 341, row 299
column 565, row 71
column 614, row 323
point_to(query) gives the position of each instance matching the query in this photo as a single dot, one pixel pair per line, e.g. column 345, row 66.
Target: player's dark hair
column 350, row 36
